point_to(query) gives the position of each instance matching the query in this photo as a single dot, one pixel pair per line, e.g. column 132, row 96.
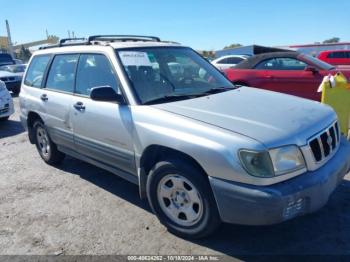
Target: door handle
column 44, row 97
column 268, row 77
column 79, row 106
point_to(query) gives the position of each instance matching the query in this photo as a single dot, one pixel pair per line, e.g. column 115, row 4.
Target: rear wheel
column 46, row 148
column 181, row 197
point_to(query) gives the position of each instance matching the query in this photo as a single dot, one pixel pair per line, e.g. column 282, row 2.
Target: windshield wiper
column 173, row 97
column 215, row 90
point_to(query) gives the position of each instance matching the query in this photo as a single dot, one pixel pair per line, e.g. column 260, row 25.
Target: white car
column 228, row 61
column 6, row 103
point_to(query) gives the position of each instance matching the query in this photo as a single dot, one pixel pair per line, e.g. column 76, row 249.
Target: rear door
column 56, row 98
column 101, row 129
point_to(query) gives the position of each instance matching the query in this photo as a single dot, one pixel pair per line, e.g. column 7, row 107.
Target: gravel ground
column 77, row 208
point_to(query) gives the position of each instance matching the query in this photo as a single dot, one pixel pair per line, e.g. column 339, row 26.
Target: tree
column 232, row 46
column 24, row 54
column 331, row 40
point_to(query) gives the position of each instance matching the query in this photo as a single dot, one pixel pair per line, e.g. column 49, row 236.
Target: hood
column 273, row 119
column 4, row 73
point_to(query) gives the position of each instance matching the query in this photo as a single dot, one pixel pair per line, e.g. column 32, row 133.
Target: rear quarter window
column 36, row 70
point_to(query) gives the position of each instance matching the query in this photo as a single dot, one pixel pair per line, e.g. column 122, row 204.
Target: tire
column 176, row 205
column 3, row 119
column 46, row 148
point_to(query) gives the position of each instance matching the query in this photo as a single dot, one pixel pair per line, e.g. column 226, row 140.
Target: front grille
column 325, row 143
column 4, row 110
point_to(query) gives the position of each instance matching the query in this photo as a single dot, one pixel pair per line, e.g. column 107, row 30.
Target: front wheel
column 46, row 148
column 181, row 197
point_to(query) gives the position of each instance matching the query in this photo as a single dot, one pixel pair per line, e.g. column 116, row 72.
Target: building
column 249, row 50
column 3, row 44
column 315, row 49
column 311, row 49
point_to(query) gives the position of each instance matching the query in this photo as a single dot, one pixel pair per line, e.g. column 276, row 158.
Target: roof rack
column 67, row 42
column 105, row 38
column 122, row 38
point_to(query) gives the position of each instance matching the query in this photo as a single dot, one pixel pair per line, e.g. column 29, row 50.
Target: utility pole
column 9, row 39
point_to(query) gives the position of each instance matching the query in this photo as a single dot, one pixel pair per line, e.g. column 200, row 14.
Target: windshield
column 157, row 73
column 317, row 62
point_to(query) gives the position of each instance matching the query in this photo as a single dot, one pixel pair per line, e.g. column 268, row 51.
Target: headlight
column 257, row 163
column 286, row 159
column 272, row 163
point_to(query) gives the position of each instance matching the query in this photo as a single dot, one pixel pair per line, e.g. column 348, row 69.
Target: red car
column 286, row 72
column 335, row 57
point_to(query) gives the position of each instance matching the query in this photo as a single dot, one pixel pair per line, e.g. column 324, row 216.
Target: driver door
column 288, row 75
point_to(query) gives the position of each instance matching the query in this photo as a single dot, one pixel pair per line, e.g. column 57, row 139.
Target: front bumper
column 6, row 106
column 263, row 205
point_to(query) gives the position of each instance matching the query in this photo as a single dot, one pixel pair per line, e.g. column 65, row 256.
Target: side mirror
column 106, row 94
column 311, row 69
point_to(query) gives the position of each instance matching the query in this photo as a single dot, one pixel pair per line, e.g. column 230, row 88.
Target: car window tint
column 281, row 63
column 267, row 64
column 223, row 61
column 36, row 70
column 234, row 60
column 94, row 70
column 62, row 73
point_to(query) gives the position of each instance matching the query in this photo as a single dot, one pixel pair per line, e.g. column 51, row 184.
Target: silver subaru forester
column 202, row 150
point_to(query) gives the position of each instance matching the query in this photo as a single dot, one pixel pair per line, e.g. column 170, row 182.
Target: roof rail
column 64, row 40
column 67, row 42
column 122, row 38
column 111, row 38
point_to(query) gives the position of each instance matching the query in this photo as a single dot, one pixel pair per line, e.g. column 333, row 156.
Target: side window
column 268, row 64
column 36, row 70
column 339, row 55
column 286, row 63
column 94, row 70
column 223, row 61
column 62, row 73
column 234, row 60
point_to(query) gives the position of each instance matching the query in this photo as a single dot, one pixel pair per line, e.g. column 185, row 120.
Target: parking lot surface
column 77, row 208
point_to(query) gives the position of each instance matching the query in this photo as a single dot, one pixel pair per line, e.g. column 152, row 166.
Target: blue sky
column 201, row 24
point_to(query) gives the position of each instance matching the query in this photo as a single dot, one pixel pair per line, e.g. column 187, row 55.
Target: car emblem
column 329, row 141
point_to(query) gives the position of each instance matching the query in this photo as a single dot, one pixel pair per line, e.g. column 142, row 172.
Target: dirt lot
column 77, row 208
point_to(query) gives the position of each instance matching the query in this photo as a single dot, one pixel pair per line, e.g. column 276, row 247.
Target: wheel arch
column 31, row 118
column 155, row 153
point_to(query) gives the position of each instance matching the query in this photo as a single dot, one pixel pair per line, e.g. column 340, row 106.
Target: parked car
column 6, row 103
column 286, row 72
column 335, row 57
column 12, row 76
column 228, row 61
column 6, row 59
column 201, row 150
column 18, row 61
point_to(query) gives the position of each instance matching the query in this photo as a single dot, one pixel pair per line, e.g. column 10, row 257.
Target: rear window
column 36, row 70
column 342, row 54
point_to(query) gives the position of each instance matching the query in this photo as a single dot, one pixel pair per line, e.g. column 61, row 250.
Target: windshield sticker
column 132, row 58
